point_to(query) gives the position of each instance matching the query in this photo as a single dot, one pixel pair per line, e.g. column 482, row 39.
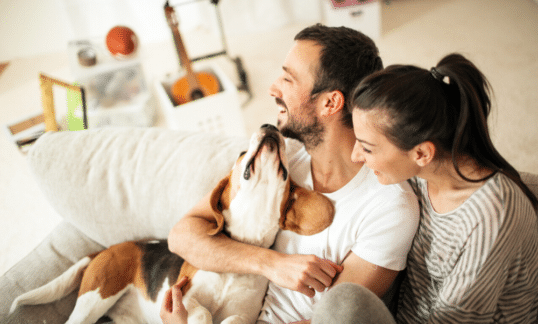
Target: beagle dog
column 127, row 282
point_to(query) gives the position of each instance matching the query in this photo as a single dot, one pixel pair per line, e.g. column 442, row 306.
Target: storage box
column 219, row 113
column 115, row 89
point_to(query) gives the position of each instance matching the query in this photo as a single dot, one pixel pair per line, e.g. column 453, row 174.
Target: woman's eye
column 366, row 150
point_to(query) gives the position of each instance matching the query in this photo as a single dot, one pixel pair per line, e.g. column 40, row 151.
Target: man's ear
column 333, row 102
column 220, row 200
column 305, row 212
column 424, row 153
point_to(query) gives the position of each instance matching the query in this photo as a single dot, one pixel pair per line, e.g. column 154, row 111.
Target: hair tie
column 439, row 77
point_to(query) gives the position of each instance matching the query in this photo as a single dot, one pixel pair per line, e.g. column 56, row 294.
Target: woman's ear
column 333, row 102
column 424, row 153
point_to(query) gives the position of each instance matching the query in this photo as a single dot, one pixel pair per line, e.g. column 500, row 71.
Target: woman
column 475, row 255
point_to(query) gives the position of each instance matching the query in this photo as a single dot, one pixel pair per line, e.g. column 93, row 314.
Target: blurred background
column 500, row 37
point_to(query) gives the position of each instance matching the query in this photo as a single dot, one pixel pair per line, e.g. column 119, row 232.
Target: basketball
column 121, row 41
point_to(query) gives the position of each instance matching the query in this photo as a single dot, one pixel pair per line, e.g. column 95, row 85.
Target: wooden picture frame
column 46, row 84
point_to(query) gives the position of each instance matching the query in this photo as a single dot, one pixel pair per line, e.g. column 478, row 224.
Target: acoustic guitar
column 194, row 85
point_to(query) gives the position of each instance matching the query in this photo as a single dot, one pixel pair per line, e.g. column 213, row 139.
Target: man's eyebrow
column 289, row 71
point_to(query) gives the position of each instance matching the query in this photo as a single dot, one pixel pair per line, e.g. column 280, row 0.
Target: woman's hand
column 172, row 310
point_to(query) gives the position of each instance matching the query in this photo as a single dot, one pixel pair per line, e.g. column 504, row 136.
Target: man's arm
column 219, row 253
column 359, row 271
column 189, row 239
column 364, row 273
column 389, row 232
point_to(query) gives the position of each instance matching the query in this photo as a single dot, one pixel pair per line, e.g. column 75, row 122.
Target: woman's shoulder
column 504, row 196
column 504, row 189
column 511, row 195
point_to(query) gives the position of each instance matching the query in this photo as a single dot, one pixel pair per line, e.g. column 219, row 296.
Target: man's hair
column 346, row 57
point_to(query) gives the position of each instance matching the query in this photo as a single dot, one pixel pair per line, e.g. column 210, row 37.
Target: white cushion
column 118, row 184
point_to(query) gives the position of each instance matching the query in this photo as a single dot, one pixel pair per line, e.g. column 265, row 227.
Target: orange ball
column 121, row 41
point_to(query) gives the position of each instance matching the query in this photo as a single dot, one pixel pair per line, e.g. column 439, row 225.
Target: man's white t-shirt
column 376, row 222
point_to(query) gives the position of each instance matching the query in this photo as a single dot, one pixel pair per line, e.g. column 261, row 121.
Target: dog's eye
column 242, row 153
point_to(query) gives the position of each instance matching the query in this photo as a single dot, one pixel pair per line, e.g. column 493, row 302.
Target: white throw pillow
column 119, row 184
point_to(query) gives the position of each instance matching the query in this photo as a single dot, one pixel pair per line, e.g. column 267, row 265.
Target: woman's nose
column 356, row 154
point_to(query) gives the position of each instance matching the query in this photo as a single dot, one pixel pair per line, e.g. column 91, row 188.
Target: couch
column 111, row 185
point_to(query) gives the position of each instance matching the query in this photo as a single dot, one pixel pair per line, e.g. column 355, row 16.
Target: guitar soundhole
column 196, row 94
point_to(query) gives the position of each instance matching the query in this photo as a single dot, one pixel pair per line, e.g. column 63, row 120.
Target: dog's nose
column 269, row 126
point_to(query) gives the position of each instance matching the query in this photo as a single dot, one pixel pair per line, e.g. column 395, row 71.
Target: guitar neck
column 180, row 48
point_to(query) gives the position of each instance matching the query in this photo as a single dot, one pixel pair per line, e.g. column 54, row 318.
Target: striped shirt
column 476, row 264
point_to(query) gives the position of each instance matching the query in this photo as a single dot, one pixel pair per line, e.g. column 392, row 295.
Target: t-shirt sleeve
column 386, row 234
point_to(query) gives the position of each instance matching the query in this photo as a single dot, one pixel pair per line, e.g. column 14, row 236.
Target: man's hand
column 303, row 273
column 172, row 310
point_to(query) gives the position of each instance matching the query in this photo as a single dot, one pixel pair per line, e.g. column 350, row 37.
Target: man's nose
column 273, row 90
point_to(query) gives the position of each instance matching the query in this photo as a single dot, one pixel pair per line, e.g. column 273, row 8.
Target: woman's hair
column 447, row 106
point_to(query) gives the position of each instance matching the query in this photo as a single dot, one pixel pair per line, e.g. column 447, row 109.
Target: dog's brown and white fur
column 127, row 281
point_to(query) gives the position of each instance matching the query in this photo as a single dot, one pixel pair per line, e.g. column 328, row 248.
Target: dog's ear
column 305, row 212
column 220, row 200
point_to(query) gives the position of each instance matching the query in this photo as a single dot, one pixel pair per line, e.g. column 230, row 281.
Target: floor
column 501, row 37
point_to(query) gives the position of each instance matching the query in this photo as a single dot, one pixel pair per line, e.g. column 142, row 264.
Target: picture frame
column 25, row 131
column 76, row 109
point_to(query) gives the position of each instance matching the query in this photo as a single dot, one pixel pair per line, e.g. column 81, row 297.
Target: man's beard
column 309, row 131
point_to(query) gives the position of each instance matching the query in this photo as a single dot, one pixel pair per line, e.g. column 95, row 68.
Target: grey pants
column 349, row 303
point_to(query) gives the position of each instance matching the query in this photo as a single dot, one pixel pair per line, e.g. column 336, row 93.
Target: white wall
column 30, row 27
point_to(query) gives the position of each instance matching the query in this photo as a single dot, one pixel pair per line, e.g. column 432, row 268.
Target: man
column 373, row 225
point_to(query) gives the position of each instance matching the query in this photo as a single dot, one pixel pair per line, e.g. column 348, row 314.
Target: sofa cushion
column 118, row 184
column 531, row 180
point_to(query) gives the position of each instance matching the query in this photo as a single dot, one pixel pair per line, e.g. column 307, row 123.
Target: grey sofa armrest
column 59, row 250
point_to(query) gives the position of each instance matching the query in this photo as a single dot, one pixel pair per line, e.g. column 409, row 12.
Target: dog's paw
column 198, row 314
column 235, row 319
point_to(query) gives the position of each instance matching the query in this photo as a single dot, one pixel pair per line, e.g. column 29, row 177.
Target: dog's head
column 259, row 191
